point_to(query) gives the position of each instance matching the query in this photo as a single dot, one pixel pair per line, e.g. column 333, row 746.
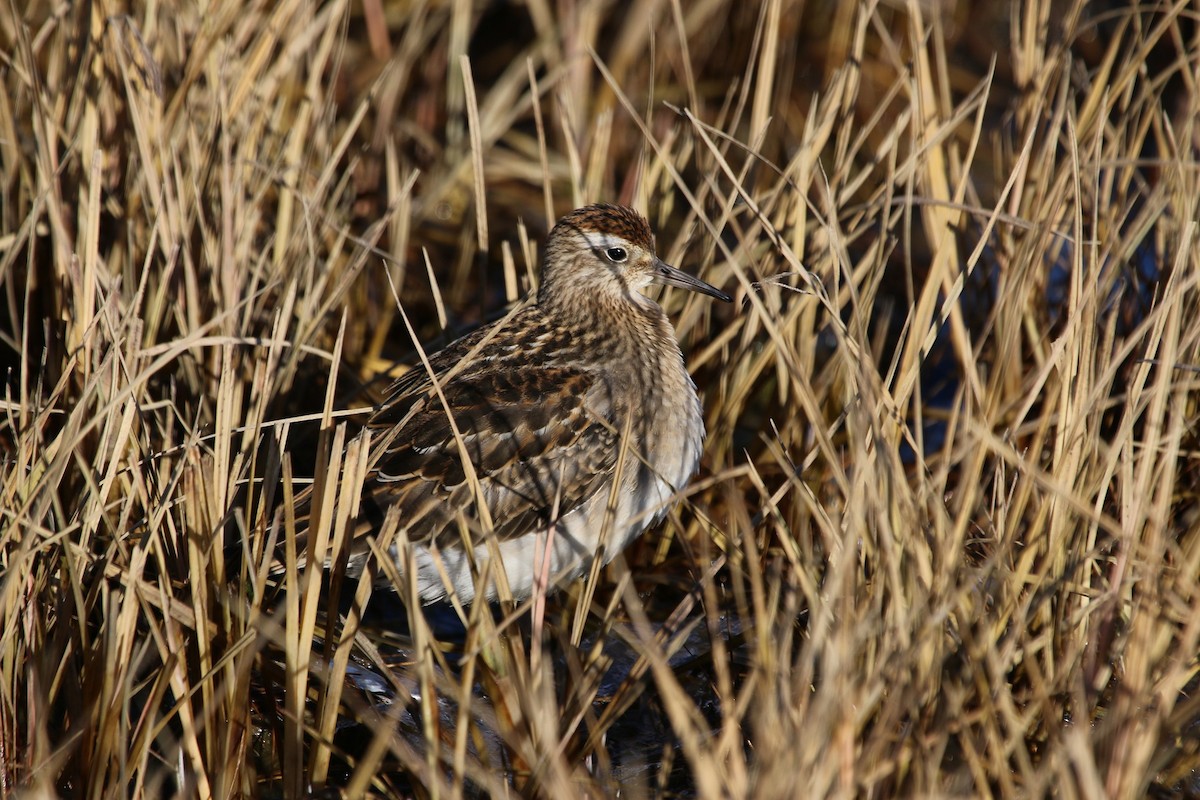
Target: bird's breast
column 668, row 429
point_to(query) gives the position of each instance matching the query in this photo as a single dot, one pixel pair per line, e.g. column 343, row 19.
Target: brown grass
column 215, row 230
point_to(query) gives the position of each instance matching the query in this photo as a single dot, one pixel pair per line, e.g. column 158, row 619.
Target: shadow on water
column 642, row 755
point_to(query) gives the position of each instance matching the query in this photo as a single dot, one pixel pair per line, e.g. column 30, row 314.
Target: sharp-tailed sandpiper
column 551, row 406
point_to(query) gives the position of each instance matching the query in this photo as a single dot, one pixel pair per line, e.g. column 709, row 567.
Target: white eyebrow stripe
column 604, row 241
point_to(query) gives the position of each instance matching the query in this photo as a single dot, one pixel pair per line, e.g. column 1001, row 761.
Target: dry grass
column 878, row 586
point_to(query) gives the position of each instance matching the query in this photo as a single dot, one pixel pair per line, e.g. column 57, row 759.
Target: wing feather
column 541, row 438
column 541, row 442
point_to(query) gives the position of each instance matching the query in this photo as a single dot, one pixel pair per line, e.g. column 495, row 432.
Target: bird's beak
column 667, row 275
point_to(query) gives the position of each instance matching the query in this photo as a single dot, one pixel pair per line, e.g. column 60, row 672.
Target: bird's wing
column 541, row 442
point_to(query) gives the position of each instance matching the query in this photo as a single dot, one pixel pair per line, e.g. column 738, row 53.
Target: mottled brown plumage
column 541, row 400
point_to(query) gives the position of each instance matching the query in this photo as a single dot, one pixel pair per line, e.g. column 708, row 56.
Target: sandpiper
column 542, row 401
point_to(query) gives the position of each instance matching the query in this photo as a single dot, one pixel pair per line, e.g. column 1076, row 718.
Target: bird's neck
column 632, row 317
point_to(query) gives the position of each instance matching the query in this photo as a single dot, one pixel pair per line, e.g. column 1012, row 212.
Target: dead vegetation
column 945, row 541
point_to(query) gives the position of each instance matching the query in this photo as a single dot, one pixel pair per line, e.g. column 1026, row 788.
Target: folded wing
column 541, row 445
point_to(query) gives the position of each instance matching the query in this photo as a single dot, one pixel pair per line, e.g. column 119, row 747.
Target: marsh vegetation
column 945, row 540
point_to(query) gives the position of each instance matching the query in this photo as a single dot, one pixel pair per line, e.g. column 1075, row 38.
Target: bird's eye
column 616, row 254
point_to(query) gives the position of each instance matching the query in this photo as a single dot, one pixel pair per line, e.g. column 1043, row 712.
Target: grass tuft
column 945, row 540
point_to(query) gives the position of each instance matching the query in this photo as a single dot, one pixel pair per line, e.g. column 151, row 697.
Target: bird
column 573, row 421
